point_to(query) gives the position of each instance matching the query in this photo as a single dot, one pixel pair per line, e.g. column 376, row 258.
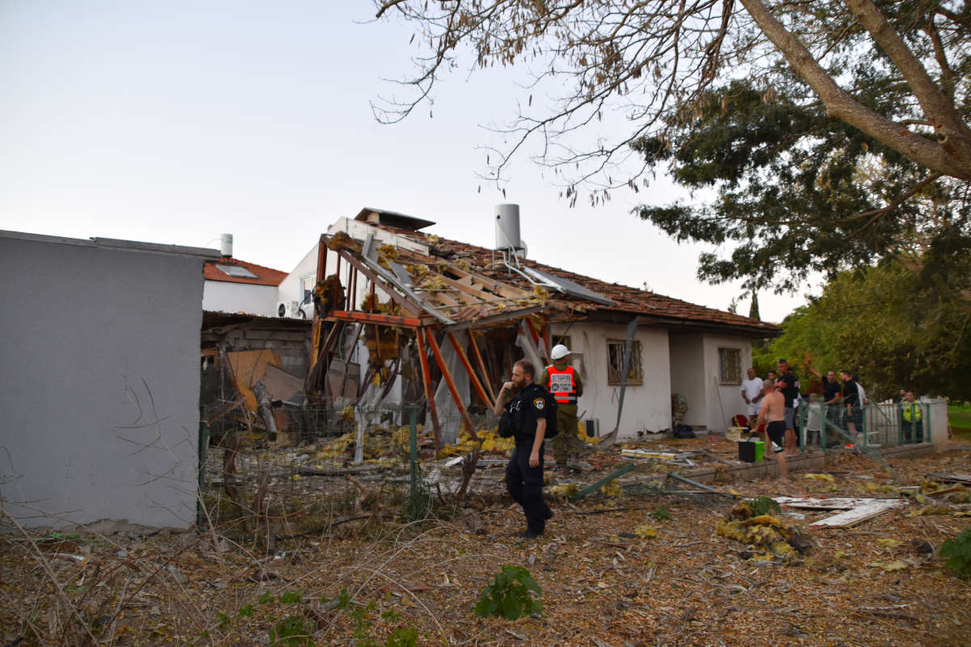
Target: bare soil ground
column 881, row 582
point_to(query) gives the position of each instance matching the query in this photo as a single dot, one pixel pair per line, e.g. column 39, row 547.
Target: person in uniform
column 522, row 405
column 563, row 381
column 911, row 417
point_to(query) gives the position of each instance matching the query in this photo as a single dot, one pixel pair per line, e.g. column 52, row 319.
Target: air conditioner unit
column 287, row 309
column 592, row 427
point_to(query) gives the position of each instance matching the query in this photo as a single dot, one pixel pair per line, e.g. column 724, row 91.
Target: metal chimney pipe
column 226, row 245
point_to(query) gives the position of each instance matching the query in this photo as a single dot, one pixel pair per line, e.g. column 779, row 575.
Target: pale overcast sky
column 175, row 122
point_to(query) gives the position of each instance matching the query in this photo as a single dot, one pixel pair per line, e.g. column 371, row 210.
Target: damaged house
column 402, row 317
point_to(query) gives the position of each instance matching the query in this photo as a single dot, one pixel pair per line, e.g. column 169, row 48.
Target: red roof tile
column 264, row 275
column 628, row 299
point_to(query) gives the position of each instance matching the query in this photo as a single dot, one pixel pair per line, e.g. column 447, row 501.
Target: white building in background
column 236, row 286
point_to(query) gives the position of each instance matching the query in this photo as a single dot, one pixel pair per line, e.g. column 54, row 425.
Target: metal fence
column 880, row 425
column 326, row 463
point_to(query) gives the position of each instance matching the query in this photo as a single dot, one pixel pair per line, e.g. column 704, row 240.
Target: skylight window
column 237, row 271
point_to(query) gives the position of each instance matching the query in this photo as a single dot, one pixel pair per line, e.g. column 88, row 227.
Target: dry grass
column 874, row 584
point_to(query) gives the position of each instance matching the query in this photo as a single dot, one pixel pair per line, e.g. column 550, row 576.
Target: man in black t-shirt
column 791, row 392
column 851, row 402
column 831, row 394
column 525, row 405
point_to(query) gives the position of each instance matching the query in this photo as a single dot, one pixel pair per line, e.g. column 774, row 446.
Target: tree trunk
column 951, row 156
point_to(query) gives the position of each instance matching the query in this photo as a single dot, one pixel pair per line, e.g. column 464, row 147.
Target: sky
column 176, row 122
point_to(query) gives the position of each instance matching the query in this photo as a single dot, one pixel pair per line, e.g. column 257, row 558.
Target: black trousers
column 913, row 431
column 525, row 486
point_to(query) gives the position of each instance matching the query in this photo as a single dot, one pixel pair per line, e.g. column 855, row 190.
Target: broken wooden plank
column 460, row 352
column 643, row 453
column 247, row 368
column 482, row 366
column 853, row 510
column 951, row 478
column 374, row 318
column 495, row 319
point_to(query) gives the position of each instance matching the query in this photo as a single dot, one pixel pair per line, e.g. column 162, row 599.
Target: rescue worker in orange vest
column 563, row 382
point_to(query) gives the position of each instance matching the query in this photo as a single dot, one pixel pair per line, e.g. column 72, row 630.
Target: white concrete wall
column 723, row 400
column 222, row 296
column 99, row 387
column 290, row 289
column 937, row 413
column 688, row 376
column 646, row 406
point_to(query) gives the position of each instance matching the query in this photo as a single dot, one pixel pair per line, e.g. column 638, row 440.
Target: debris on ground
column 719, row 566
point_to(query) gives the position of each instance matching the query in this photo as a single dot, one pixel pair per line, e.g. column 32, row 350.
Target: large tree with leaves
column 887, row 326
column 799, row 191
column 655, row 58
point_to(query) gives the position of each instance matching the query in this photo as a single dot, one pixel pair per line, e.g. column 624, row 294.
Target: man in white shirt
column 752, row 394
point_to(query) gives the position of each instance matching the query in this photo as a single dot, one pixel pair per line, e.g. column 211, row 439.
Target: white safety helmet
column 559, row 351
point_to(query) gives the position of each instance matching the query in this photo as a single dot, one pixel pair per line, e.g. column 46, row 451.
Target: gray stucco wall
column 99, row 383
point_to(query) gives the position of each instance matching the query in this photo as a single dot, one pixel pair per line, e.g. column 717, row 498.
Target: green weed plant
column 508, row 595
column 761, row 505
column 959, row 552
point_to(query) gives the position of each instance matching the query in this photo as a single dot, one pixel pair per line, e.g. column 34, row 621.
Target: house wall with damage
column 646, row 405
column 100, row 382
column 224, row 296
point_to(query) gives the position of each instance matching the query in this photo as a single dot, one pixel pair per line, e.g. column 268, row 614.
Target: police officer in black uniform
column 524, row 405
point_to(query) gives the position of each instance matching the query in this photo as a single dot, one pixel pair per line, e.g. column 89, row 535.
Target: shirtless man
column 773, row 414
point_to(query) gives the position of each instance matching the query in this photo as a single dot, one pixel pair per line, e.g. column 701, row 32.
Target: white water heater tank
column 507, row 227
column 226, row 245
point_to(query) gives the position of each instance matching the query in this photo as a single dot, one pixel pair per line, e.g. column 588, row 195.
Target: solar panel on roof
column 568, row 287
column 237, row 271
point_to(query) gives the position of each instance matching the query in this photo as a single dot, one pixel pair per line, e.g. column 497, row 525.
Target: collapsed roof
column 452, row 284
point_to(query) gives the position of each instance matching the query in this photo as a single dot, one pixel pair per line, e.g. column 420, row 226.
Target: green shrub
column 761, row 505
column 508, row 595
column 959, row 551
column 661, row 513
column 292, row 631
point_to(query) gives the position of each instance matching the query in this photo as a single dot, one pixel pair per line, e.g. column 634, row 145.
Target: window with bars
column 615, row 362
column 730, row 365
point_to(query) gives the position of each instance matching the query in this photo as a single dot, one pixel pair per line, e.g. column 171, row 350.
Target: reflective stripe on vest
column 562, row 385
column 911, row 410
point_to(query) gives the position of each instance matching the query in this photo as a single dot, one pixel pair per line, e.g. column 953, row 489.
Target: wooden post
column 468, row 369
column 482, row 366
column 427, row 380
column 546, row 336
column 315, row 330
column 447, row 376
